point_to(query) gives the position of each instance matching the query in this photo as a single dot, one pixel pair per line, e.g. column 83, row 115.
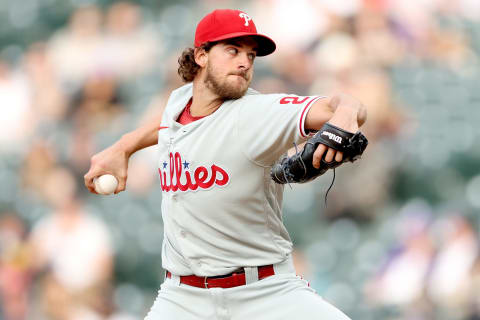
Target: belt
column 231, row 280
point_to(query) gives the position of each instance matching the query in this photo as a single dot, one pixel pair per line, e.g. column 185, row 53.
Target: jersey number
column 294, row 100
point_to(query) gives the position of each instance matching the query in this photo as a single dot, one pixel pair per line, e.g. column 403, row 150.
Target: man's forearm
column 346, row 111
column 143, row 137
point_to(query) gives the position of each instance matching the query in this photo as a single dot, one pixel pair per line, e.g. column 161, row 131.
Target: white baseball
column 106, row 184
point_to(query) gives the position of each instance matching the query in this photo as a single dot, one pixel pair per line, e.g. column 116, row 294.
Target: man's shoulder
column 251, row 91
column 184, row 90
column 178, row 98
column 254, row 95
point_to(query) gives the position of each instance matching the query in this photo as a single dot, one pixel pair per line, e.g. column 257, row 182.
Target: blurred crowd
column 399, row 238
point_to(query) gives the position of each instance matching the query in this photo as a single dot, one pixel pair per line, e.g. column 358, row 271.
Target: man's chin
column 234, row 92
column 233, row 88
column 234, row 95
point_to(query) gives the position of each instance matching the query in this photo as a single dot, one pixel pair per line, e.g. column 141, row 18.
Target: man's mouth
column 243, row 75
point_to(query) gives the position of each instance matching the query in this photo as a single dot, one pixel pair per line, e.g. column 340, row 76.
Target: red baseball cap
column 226, row 24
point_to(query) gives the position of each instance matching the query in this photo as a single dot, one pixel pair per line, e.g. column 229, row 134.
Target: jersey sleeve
column 269, row 125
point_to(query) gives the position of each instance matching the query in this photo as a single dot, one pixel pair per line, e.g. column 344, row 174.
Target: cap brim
column 266, row 45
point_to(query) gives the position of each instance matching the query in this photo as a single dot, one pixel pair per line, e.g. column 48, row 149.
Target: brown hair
column 188, row 68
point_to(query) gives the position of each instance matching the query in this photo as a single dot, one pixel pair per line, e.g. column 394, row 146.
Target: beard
column 223, row 89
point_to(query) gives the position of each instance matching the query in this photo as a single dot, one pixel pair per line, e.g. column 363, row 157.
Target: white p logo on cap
column 245, row 16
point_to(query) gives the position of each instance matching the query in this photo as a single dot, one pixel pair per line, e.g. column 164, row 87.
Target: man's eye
column 232, row 50
column 251, row 56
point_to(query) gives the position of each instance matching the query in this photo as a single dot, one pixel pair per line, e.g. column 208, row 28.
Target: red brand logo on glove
column 182, row 179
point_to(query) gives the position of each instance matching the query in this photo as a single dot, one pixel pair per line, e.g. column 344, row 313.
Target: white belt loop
column 251, row 274
column 285, row 266
column 175, row 279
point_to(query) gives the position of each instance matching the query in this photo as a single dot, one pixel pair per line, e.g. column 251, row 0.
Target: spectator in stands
column 15, row 268
column 73, row 249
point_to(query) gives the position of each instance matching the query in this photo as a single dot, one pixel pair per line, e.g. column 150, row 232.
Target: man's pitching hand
column 114, row 161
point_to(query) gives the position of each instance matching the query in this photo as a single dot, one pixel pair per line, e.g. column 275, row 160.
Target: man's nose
column 244, row 61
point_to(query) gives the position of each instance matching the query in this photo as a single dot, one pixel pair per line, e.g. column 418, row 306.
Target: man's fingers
column 339, row 156
column 317, row 155
column 330, row 155
column 88, row 179
column 122, row 183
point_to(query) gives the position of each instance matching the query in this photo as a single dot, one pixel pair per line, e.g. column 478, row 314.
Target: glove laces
column 331, row 185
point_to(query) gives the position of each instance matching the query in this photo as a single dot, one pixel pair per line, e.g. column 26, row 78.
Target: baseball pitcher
column 226, row 251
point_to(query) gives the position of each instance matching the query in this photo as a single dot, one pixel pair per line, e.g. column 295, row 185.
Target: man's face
column 229, row 68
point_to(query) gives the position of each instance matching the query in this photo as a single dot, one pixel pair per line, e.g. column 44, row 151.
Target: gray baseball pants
column 283, row 296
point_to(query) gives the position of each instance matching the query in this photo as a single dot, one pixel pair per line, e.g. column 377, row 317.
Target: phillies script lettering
column 183, row 180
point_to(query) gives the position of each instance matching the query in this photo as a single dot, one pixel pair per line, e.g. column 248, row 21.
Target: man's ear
column 201, row 57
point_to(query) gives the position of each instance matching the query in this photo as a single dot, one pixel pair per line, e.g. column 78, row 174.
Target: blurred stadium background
column 400, row 236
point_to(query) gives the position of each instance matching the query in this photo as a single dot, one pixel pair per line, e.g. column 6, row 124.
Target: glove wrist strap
column 333, row 137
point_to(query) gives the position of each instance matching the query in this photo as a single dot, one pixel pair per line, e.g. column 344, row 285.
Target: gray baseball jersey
column 221, row 210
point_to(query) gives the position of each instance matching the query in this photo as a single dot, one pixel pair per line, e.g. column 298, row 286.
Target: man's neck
column 204, row 102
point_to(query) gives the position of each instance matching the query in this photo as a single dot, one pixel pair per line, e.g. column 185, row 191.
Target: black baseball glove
column 299, row 168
